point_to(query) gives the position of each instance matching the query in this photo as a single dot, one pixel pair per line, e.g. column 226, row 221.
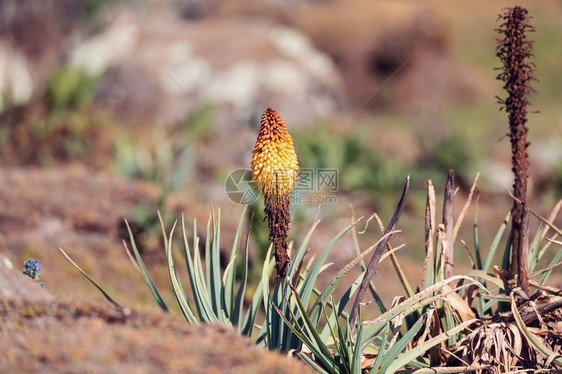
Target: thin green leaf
column 310, row 327
column 329, row 327
column 477, row 253
column 381, row 352
column 226, row 286
column 311, row 363
column 486, row 276
column 394, row 351
column 257, row 298
column 208, row 240
column 546, row 222
column 495, row 243
column 420, row 350
column 555, row 260
column 191, row 270
column 356, row 363
column 200, row 285
column 417, row 302
column 206, row 300
column 326, row 360
column 104, row 293
column 146, row 275
column 266, row 297
column 214, row 260
column 299, row 255
column 310, row 280
column 343, row 346
column 239, row 301
column 176, row 285
column 230, row 281
column 506, row 260
column 336, row 280
column 421, row 298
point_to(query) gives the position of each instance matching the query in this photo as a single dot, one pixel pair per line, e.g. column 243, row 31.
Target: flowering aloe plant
column 274, row 171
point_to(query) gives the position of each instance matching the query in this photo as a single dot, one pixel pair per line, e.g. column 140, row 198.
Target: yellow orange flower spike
column 274, row 171
column 274, row 163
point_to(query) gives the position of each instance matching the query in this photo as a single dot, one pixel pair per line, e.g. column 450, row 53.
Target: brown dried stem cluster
column 514, row 51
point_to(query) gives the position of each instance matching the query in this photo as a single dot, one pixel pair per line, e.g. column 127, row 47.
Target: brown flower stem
column 514, row 51
column 278, row 220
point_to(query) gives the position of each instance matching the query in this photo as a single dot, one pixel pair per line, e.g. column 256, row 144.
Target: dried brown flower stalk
column 514, row 51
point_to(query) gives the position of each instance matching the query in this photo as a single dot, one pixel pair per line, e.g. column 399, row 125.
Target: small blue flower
column 31, row 268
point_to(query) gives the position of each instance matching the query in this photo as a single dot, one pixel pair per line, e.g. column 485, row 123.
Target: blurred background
column 112, row 109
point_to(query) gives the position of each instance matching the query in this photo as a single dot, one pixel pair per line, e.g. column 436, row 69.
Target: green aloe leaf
column 299, row 255
column 176, row 284
column 146, row 275
column 197, row 295
column 104, row 293
column 312, row 276
column 382, row 350
column 259, row 295
column 357, row 351
column 417, row 302
column 239, row 301
column 208, row 260
column 554, row 261
column 314, row 339
column 398, row 347
column 326, row 360
column 420, row 350
column 495, row 243
column 226, row 285
column 477, row 253
column 330, row 289
column 230, row 280
column 311, row 363
column 215, row 266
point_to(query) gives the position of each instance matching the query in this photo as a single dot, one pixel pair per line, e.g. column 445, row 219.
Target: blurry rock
column 16, row 85
column 425, row 76
column 496, row 176
column 34, row 36
column 14, row 284
column 129, row 91
column 239, row 65
column 393, row 55
column 116, row 43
